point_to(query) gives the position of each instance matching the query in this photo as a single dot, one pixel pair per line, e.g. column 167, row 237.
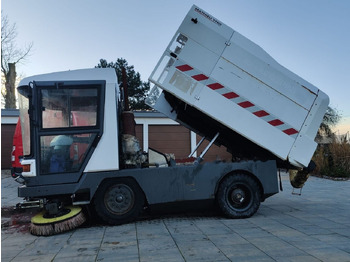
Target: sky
column 311, row 38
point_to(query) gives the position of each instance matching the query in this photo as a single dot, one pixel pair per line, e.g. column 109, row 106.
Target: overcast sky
column 311, row 38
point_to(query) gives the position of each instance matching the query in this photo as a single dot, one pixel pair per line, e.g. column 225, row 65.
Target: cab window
column 62, row 108
column 68, row 126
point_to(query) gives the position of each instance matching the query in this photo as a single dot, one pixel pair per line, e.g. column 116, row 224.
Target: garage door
column 170, row 139
column 7, row 132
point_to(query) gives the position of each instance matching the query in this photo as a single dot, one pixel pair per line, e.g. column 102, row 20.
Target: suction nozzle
column 299, row 177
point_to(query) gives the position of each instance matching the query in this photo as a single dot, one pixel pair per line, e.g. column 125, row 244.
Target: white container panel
column 208, row 21
column 181, row 85
column 304, row 146
column 198, row 57
column 268, row 75
column 204, row 36
column 245, row 123
column 314, row 119
column 250, row 89
column 302, row 151
column 253, row 48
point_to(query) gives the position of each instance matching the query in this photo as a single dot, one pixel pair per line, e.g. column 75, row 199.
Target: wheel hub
column 238, row 196
column 119, row 199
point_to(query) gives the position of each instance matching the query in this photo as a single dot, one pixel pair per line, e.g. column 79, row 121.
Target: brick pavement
column 312, row 227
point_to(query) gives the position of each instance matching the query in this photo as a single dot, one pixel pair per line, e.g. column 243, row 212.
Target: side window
column 69, row 126
column 62, row 108
column 64, row 153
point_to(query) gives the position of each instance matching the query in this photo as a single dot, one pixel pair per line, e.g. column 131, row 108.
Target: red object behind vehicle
column 17, row 151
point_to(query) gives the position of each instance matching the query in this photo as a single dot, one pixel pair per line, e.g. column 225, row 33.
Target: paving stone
column 118, row 242
column 284, row 251
column 245, row 252
column 36, row 258
column 76, row 250
column 76, row 258
column 212, row 227
column 227, row 239
column 330, row 254
column 129, row 253
column 121, row 230
column 252, row 232
column 7, row 254
column 201, row 250
column 160, row 255
column 311, row 227
column 333, row 239
column 297, row 259
column 307, row 244
column 312, row 230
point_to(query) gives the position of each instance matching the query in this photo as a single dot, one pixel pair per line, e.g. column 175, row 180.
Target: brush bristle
column 42, row 230
column 70, row 224
column 57, row 227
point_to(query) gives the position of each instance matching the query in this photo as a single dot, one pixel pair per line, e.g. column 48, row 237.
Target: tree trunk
column 10, row 84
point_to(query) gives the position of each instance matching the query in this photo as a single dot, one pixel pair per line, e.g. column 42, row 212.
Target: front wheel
column 238, row 196
column 119, row 201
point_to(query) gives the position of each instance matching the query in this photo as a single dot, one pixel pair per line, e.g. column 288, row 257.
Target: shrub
column 333, row 160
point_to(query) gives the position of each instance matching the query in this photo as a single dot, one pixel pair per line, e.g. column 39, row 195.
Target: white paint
column 106, row 154
column 9, row 120
column 32, row 164
column 193, row 143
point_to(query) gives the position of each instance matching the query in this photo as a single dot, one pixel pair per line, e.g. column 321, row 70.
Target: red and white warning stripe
column 236, row 98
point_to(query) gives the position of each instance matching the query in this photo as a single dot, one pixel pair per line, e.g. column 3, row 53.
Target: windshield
column 24, row 119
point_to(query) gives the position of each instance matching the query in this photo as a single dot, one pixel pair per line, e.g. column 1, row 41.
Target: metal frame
column 37, row 131
column 197, row 146
column 209, row 145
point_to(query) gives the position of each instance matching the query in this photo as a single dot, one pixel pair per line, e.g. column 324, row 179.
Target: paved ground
column 312, row 227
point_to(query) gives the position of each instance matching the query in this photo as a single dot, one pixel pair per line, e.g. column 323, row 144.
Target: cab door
column 69, row 124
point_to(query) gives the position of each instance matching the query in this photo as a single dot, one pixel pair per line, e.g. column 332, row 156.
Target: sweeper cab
column 80, row 147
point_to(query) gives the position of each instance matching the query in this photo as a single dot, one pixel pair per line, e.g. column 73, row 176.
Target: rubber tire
column 131, row 190
column 241, row 183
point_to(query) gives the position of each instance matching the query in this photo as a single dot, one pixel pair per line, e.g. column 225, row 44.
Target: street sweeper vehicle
column 79, row 139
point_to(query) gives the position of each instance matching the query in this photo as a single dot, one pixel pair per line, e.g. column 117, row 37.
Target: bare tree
column 10, row 56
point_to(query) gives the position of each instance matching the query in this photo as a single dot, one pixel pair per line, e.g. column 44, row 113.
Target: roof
column 9, row 112
column 107, row 74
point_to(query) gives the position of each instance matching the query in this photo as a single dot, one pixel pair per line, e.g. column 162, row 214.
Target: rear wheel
column 238, row 196
column 119, row 201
